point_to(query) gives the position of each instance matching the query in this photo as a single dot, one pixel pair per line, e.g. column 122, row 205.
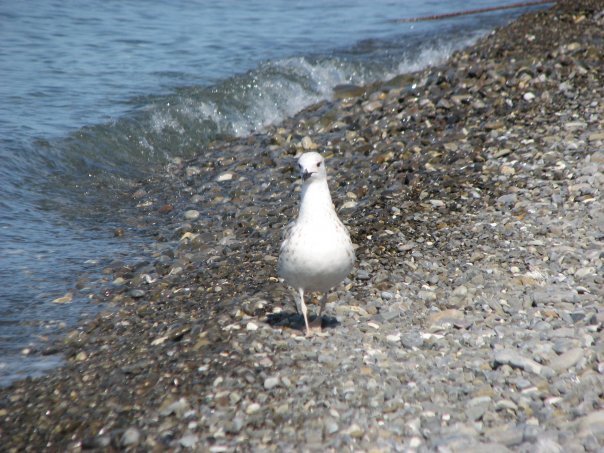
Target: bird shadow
column 296, row 321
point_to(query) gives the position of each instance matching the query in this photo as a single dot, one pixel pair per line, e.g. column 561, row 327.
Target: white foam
column 250, row 102
column 162, row 119
column 433, row 56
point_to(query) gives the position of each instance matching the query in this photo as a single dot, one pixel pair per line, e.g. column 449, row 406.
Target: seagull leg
column 316, row 324
column 323, row 302
column 304, row 311
column 298, row 307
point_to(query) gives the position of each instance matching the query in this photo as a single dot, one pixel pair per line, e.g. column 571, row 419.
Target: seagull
column 317, row 253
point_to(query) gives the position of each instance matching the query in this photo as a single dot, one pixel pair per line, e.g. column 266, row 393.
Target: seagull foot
column 314, row 327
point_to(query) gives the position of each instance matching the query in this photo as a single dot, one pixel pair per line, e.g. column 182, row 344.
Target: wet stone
column 191, row 214
column 136, row 293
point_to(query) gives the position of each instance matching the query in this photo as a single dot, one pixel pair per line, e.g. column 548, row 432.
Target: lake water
column 95, row 95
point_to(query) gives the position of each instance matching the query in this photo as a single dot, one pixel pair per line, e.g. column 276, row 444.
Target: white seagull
column 317, row 253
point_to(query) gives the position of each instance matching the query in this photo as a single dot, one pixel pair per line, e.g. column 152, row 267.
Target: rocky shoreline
column 472, row 322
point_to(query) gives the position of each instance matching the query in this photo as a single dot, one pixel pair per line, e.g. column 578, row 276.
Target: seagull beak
column 306, row 174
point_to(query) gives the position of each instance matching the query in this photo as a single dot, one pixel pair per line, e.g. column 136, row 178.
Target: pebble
column 507, row 435
column 177, row 408
column 308, row 144
column 355, row 431
column 136, row 293
column 189, row 440
column 529, row 97
column 426, row 295
column 443, row 317
column 118, row 281
column 596, row 136
column 506, row 404
column 271, row 382
column 567, row 360
column 192, row 214
column 394, row 338
column 226, row 176
column 130, row 437
column 192, row 171
column 331, row 427
column 460, row 291
column 515, row 359
column 584, row 272
column 165, row 209
column 592, row 423
column 66, row 299
column 372, row 106
column 546, row 445
column 508, row 199
column 363, row 275
column 507, row 170
column 412, row 340
column 252, row 408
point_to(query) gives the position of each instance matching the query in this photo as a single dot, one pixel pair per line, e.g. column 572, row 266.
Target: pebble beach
column 472, row 320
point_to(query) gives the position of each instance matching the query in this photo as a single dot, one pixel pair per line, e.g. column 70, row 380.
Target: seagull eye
column 318, row 164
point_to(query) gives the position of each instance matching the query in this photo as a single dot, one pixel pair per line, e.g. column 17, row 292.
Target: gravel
column 473, row 319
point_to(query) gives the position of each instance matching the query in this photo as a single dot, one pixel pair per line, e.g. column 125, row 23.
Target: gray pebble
column 425, row 295
column 412, row 340
column 592, row 423
column 476, row 407
column 567, row 360
column 130, row 437
column 136, row 293
column 507, row 200
column 386, row 295
column 331, row 426
column 177, row 408
column 271, row 382
column 486, row 447
column 189, row 440
column 363, row 275
column 516, row 360
column 508, row 435
column 547, row 445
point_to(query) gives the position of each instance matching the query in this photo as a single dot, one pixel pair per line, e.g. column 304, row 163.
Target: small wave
column 159, row 127
column 247, row 103
column 433, row 55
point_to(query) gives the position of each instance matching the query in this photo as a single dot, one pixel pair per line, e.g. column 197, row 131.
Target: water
column 96, row 95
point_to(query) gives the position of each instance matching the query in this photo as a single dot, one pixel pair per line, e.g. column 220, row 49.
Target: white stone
column 252, row 326
column 227, row 176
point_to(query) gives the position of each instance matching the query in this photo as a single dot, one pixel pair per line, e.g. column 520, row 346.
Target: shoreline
column 472, row 320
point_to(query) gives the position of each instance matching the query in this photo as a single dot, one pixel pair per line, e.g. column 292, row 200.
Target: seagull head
column 312, row 166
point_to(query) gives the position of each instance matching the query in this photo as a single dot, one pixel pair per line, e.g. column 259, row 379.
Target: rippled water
column 95, row 94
